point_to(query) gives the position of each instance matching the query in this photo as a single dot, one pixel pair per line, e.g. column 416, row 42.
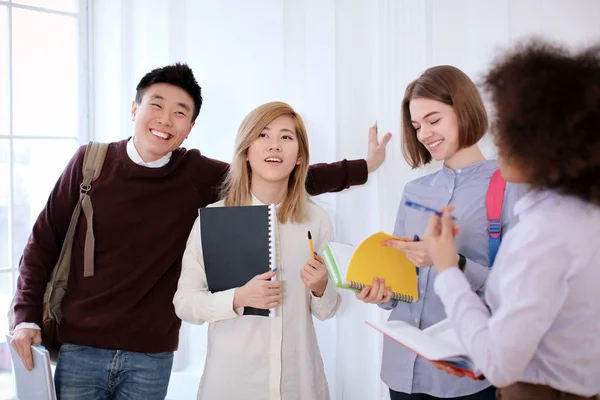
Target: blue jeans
column 89, row 373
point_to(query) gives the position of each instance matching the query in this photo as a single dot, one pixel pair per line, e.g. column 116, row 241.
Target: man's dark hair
column 179, row 75
column 547, row 122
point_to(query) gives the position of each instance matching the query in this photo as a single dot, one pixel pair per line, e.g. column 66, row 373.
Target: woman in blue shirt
column 443, row 118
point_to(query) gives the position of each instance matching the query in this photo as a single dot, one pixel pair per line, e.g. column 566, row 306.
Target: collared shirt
column 466, row 189
column 136, row 158
column 254, row 357
column 543, row 293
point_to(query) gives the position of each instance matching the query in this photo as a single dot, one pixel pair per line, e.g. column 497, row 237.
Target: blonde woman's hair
column 236, row 187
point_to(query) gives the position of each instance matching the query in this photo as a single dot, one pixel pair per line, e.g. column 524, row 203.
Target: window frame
column 83, row 16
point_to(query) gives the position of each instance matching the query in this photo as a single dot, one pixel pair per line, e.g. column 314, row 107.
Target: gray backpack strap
column 92, row 166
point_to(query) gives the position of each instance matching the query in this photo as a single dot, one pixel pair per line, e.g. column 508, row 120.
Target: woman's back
column 549, row 267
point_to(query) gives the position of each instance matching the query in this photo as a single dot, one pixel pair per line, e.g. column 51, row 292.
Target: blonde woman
column 252, row 357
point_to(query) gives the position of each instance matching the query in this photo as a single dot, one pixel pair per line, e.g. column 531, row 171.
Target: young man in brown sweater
column 119, row 327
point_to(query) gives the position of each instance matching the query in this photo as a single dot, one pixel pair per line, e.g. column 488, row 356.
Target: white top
column 543, row 292
column 256, row 357
column 136, row 158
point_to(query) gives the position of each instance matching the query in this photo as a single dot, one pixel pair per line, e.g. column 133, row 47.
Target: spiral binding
column 395, row 296
column 273, row 246
column 272, row 242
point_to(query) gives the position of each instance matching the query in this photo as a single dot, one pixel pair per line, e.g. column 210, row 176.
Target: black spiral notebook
column 238, row 243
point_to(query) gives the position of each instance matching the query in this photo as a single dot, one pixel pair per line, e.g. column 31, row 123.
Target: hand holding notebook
column 261, row 292
column 353, row 267
column 38, row 383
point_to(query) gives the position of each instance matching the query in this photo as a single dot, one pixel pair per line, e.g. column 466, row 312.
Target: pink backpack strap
column 493, row 205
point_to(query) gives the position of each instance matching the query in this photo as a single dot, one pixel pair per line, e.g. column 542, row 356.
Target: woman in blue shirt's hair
column 443, row 118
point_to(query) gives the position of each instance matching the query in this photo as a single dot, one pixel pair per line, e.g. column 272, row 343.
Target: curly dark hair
column 547, row 116
column 178, row 74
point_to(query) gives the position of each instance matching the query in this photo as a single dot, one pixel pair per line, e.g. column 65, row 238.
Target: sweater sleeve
column 322, row 178
column 209, row 175
column 335, row 177
column 44, row 245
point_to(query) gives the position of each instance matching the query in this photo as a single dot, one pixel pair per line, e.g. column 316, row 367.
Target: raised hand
column 376, row 148
column 441, row 237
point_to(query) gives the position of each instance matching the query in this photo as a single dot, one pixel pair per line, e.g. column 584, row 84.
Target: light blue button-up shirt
column 544, row 326
column 466, row 188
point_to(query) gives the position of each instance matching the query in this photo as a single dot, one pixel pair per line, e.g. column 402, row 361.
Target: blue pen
column 421, row 207
column 416, row 239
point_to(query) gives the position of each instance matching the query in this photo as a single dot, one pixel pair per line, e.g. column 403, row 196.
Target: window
column 43, row 118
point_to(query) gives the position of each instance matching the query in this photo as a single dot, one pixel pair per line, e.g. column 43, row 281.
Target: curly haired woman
column 539, row 339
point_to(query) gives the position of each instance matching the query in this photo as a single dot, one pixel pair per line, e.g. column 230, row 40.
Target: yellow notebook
column 352, row 267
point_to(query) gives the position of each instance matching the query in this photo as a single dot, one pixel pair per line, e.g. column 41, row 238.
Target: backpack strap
column 493, row 205
column 92, row 166
column 56, row 287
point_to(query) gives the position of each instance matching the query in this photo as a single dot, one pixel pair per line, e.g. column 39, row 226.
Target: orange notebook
column 354, row 267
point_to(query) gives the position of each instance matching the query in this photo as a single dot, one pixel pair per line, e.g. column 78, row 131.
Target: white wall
column 343, row 64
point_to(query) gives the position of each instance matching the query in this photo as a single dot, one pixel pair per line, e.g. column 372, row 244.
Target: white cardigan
column 256, row 357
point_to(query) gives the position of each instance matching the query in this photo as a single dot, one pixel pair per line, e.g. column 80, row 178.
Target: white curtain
column 343, row 64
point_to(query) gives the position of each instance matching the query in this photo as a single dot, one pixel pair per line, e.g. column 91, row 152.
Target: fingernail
column 316, row 254
column 274, row 270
